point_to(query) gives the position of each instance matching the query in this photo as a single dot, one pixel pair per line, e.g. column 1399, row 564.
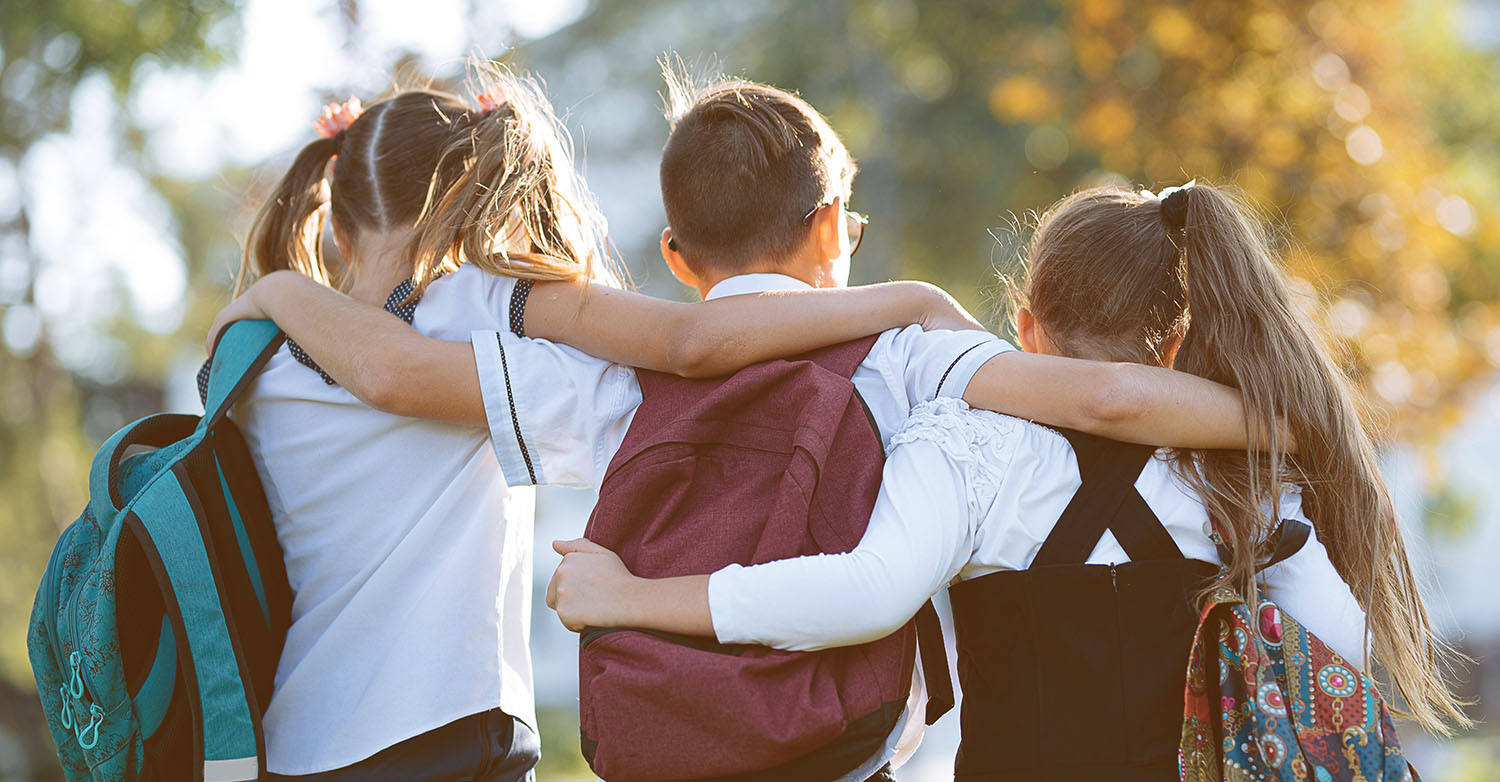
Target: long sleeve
column 918, row 539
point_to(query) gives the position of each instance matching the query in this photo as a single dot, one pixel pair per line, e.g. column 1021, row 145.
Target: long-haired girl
column 1073, row 596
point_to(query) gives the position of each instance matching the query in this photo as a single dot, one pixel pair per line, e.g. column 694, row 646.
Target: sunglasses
column 856, row 221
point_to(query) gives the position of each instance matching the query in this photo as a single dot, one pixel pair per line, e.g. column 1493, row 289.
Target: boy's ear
column 675, row 262
column 825, row 228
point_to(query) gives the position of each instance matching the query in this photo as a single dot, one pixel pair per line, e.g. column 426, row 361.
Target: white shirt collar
column 754, row 283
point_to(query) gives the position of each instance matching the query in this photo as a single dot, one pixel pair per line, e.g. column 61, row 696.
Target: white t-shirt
column 558, row 415
column 409, row 560
column 970, row 492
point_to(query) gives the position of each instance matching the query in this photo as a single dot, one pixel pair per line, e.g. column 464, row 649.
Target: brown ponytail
column 288, row 229
column 1117, row 272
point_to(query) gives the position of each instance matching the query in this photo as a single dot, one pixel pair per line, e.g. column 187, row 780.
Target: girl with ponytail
column 1076, row 564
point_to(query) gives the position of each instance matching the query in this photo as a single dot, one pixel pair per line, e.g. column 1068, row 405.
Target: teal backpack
column 160, row 619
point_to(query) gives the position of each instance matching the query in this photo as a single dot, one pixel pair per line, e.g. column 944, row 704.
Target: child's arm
column 919, row 538
column 393, row 368
column 1130, row 402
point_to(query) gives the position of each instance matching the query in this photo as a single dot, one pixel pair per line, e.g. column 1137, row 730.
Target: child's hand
column 944, row 312
column 590, row 586
column 245, row 307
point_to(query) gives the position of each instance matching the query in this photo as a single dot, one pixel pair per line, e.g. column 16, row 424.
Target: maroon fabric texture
column 778, row 460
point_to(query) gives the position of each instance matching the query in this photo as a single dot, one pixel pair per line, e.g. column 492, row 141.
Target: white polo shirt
column 970, row 492
column 558, row 415
column 409, row 560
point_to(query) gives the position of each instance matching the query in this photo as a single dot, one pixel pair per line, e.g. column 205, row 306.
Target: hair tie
column 1174, row 203
column 336, row 118
column 493, row 97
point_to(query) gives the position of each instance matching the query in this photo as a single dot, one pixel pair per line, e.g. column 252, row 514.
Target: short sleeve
column 941, row 363
column 556, row 414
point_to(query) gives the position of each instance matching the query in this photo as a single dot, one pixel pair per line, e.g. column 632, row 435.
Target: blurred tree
column 50, row 416
column 1366, row 127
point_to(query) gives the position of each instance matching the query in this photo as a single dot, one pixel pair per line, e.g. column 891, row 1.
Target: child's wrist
column 636, row 596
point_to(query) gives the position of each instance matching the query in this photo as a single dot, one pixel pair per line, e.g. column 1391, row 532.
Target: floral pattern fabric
column 1267, row 700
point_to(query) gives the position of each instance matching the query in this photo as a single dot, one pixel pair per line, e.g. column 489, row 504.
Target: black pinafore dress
column 1074, row 672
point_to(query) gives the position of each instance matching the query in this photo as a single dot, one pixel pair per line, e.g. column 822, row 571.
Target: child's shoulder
column 464, row 300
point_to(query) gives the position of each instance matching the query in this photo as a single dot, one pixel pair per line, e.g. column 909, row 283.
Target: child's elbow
column 696, row 355
column 1116, row 400
column 378, row 386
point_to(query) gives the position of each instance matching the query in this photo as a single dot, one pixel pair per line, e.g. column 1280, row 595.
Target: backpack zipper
column 49, row 595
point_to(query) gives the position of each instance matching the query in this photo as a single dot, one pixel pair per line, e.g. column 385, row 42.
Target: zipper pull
column 1113, row 582
column 67, row 708
column 75, row 681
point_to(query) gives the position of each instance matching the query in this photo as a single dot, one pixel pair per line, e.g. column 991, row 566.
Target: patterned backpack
column 160, row 619
column 1267, row 700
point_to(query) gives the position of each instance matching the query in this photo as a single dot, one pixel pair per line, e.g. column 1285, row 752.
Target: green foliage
column 45, row 446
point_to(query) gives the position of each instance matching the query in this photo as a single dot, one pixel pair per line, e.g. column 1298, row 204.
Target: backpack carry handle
column 154, row 430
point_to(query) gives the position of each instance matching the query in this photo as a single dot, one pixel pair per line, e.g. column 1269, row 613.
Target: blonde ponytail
column 508, row 172
column 465, row 179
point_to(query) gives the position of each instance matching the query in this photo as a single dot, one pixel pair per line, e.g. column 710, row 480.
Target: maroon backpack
column 780, row 460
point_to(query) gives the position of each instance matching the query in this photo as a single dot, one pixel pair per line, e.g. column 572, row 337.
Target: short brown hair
column 744, row 164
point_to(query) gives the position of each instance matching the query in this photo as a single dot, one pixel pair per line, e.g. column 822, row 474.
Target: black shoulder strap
column 1107, row 500
column 934, row 655
column 1288, row 539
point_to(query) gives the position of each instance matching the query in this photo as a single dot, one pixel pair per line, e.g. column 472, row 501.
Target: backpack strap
column 1286, row 540
column 164, row 518
column 241, row 351
column 1107, row 500
column 843, row 359
column 934, row 654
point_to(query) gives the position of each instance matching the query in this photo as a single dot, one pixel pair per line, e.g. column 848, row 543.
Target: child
column 755, row 185
column 407, row 657
column 982, row 501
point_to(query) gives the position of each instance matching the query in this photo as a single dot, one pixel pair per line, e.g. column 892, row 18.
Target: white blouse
column 970, row 492
column 409, row 561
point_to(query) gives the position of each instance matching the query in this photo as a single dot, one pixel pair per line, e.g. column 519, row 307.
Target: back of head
column 460, row 179
column 1122, row 272
column 743, row 166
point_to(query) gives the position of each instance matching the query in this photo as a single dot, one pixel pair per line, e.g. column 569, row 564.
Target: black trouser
column 488, row 747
